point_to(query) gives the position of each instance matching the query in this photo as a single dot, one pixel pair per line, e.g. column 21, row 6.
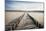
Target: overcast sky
column 13, row 5
column 27, row 0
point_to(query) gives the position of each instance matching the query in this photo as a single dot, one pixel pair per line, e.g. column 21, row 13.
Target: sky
column 29, row 5
column 27, row 0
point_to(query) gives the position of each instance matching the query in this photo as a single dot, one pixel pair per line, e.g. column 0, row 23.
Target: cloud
column 24, row 6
